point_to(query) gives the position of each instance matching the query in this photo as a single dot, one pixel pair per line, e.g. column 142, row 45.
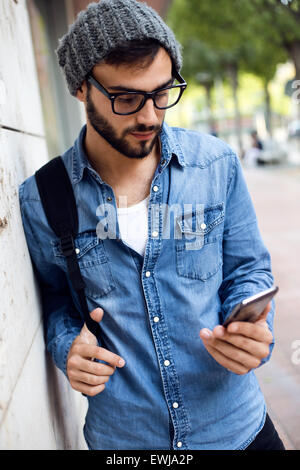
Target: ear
column 81, row 92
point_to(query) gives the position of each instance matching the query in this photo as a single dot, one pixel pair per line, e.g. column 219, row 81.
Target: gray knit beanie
column 105, row 25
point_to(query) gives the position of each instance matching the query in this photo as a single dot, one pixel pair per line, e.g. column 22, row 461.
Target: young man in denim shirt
column 168, row 375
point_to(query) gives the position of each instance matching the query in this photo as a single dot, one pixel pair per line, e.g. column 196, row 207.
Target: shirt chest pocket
column 93, row 263
column 199, row 247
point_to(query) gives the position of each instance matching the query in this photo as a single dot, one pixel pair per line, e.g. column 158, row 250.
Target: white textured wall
column 38, row 409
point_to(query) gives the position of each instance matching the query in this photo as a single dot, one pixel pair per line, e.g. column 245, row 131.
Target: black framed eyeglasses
column 130, row 102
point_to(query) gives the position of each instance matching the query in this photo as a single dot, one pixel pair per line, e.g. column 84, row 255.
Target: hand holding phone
column 251, row 308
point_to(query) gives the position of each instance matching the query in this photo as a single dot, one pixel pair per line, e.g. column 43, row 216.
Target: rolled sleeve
column 246, row 260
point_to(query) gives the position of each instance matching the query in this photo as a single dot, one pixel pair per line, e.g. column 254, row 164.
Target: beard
column 107, row 132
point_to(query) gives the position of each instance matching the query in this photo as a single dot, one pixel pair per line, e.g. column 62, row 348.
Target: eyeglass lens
column 127, row 103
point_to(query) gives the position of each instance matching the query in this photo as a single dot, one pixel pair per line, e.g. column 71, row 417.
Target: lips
column 142, row 136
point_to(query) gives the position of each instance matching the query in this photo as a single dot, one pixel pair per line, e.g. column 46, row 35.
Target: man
column 251, row 157
column 167, row 375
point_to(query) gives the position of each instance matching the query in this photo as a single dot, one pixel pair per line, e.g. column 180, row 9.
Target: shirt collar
column 169, row 145
column 80, row 160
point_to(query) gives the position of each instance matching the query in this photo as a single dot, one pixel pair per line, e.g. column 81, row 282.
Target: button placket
column 160, row 333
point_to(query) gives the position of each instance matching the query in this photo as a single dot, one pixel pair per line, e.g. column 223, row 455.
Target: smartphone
column 252, row 307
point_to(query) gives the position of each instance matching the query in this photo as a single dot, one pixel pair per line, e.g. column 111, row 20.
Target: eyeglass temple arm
column 98, row 85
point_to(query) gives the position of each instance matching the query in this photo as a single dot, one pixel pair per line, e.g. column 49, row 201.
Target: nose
column 148, row 114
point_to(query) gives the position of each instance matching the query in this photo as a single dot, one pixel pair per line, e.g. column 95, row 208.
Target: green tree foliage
column 221, row 37
column 232, row 32
column 283, row 26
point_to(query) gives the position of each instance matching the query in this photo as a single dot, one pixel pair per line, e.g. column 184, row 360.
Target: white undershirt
column 133, row 224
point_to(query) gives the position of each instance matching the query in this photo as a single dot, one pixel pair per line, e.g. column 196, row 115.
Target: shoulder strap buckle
column 67, row 245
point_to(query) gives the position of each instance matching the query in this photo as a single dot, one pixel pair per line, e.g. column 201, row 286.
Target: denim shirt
column 204, row 254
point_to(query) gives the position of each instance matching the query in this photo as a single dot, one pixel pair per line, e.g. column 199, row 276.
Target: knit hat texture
column 104, row 26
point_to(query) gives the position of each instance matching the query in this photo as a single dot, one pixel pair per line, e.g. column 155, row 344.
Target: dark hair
column 139, row 53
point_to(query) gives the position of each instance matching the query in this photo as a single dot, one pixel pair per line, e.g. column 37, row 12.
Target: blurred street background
column 242, row 64
column 276, row 195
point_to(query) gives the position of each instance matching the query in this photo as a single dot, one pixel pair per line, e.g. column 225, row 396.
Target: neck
column 115, row 168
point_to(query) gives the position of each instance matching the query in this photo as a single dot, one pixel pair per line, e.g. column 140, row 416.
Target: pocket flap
column 201, row 221
column 84, row 242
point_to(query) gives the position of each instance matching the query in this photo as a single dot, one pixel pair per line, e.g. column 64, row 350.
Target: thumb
column 262, row 318
column 85, row 335
column 97, row 314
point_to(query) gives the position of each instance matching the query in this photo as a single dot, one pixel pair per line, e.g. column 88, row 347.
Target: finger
column 265, row 312
column 251, row 346
column 88, row 351
column 97, row 314
column 88, row 389
column 235, row 354
column 79, row 363
column 258, row 332
column 205, row 333
column 112, row 358
column 85, row 335
column 98, row 369
column 84, row 350
column 224, row 361
column 86, row 378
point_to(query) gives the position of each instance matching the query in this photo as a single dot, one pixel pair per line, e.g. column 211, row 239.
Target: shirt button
column 179, row 444
column 77, row 251
column 148, row 274
column 154, row 233
column 167, row 363
column 156, row 319
column 109, row 198
column 155, row 189
column 203, row 226
column 175, row 404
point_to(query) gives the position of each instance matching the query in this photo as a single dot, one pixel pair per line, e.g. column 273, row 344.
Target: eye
column 162, row 93
column 125, row 100
column 128, row 99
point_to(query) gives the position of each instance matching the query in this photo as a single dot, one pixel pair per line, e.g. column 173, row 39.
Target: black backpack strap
column 59, row 204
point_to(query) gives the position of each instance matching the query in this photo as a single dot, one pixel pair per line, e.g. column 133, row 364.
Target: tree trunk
column 294, row 50
column 211, row 121
column 233, row 75
column 268, row 111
